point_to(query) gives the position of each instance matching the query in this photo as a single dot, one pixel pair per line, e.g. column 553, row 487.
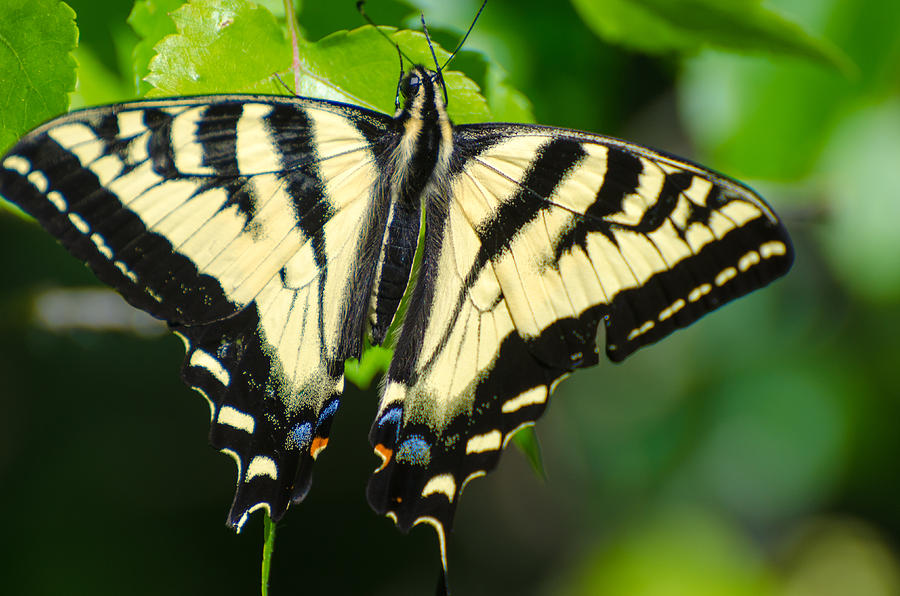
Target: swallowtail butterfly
column 274, row 234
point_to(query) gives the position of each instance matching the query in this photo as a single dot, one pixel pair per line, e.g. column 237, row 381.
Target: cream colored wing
column 544, row 234
column 240, row 220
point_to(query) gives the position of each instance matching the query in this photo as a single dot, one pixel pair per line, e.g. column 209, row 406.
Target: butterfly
column 278, row 236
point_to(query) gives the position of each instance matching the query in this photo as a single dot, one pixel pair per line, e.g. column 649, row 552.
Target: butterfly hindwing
column 240, row 221
column 549, row 233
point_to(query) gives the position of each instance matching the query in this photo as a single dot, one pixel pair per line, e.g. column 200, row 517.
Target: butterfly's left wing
column 245, row 222
column 546, row 233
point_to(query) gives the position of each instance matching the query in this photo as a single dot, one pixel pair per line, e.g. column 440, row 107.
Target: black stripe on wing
column 552, row 163
column 159, row 145
column 217, row 135
column 70, row 202
column 294, row 140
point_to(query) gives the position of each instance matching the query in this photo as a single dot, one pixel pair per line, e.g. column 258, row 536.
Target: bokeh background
column 757, row 452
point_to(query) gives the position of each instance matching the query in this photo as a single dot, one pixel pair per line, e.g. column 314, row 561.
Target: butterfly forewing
column 651, row 241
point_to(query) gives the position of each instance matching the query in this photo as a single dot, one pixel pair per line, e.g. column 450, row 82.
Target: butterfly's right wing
column 540, row 236
column 245, row 223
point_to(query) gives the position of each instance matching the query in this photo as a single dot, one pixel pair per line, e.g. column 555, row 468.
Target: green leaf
column 236, row 46
column 374, row 361
column 507, row 103
column 276, row 7
column 755, row 118
column 526, row 440
column 787, row 425
column 97, row 84
column 659, row 26
column 221, row 46
column 36, row 65
column 151, row 20
column 362, row 68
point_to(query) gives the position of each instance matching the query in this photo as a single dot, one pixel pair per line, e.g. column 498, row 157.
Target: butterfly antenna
column 359, row 7
column 365, row 15
column 466, row 36
column 440, row 72
column 399, row 79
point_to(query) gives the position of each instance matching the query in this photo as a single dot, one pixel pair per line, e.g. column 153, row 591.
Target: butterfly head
column 418, row 81
column 423, row 93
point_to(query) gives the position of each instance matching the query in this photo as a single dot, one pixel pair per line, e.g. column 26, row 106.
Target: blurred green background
column 757, row 452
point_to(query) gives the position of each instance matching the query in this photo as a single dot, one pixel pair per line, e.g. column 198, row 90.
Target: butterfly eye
column 411, row 85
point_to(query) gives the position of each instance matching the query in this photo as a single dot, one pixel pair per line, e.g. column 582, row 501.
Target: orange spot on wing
column 385, row 454
column 318, row 444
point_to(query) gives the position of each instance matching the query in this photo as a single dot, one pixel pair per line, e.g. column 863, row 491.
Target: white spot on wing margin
column 17, row 163
column 771, row 249
column 79, row 223
column 234, row 418
column 487, row 442
column 442, row 483
column 39, row 181
column 470, row 478
column 536, row 395
column 206, row 361
column 58, row 201
column 513, row 432
column 237, row 460
column 101, row 245
column 240, row 523
column 261, row 465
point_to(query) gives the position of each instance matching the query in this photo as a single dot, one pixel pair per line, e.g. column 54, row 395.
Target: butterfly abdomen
column 394, row 268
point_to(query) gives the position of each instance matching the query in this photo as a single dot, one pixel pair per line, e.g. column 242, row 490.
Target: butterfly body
column 419, row 155
column 275, row 234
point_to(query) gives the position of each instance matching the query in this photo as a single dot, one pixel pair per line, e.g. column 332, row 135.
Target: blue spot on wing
column 392, row 416
column 414, row 450
column 300, row 436
column 329, row 410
